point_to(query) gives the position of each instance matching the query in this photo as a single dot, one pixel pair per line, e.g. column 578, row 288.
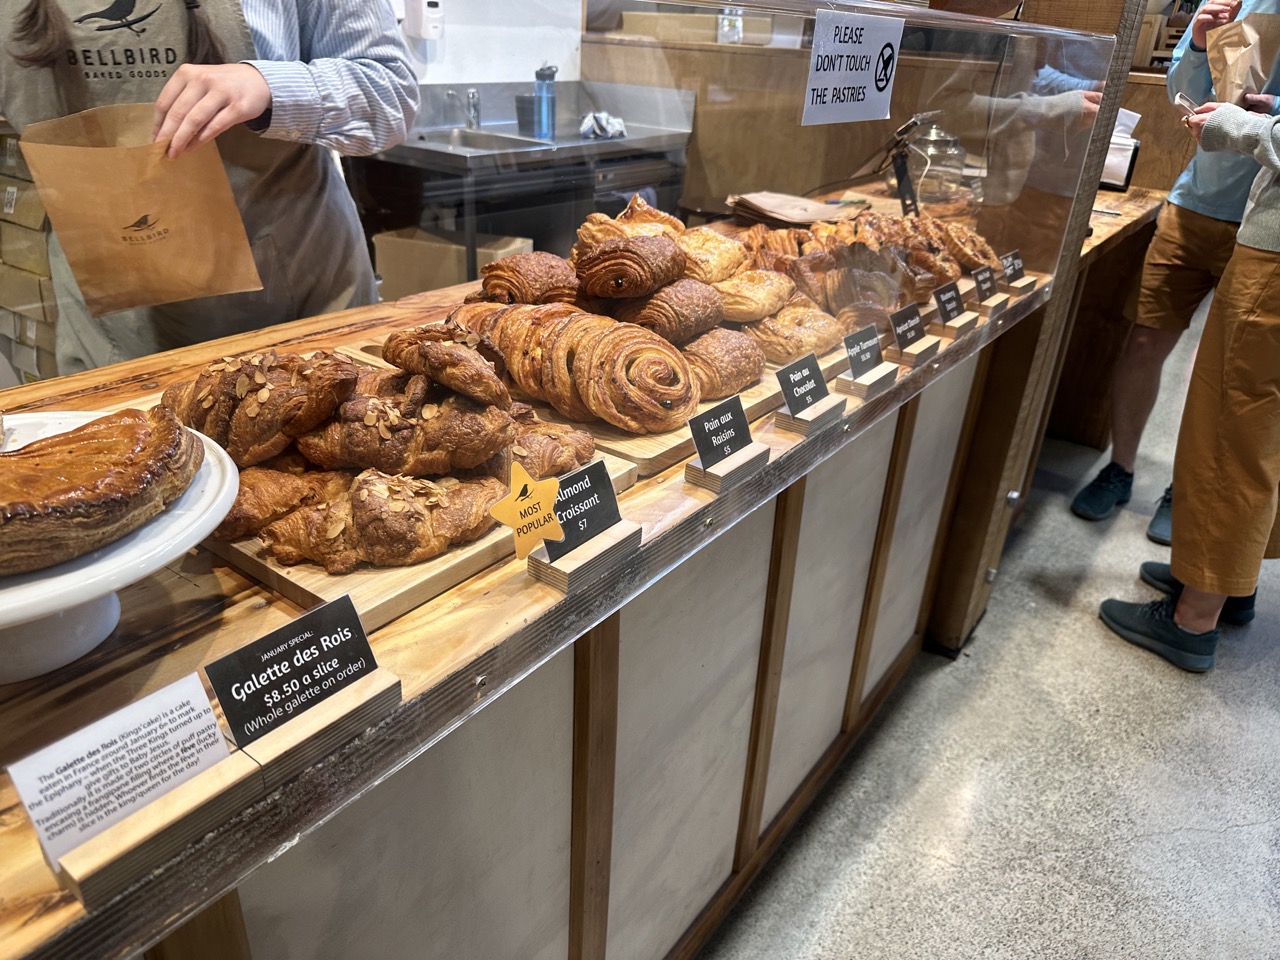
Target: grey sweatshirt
column 1256, row 135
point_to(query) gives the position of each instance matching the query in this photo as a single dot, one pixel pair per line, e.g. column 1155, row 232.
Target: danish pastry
column 709, row 256
column 754, row 295
column 724, row 362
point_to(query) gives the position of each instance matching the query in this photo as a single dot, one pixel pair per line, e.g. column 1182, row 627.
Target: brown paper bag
column 1242, row 55
column 137, row 228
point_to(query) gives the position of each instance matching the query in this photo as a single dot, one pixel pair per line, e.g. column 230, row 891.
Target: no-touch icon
column 884, row 67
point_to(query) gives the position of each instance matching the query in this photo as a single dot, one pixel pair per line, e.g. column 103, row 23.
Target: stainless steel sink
column 462, row 138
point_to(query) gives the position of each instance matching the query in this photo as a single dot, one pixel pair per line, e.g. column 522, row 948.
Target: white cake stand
column 52, row 616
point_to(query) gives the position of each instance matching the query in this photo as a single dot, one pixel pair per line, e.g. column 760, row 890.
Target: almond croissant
column 255, row 406
column 452, row 356
column 406, row 433
column 548, row 449
column 266, row 495
column 389, row 521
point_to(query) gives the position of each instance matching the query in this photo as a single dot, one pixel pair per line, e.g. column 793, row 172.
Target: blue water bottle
column 544, row 103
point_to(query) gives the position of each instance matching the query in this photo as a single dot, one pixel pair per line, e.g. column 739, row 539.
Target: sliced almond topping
column 207, row 403
column 519, row 451
column 205, row 392
column 383, row 432
column 370, row 418
column 242, row 386
column 251, row 409
column 264, row 394
column 364, row 494
column 259, row 377
column 335, row 529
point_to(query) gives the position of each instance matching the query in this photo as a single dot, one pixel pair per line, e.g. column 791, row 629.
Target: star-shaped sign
column 528, row 510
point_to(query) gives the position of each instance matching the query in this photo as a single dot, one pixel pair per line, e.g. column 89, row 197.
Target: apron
column 300, row 218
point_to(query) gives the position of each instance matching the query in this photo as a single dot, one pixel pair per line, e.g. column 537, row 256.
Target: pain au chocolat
column 66, row 495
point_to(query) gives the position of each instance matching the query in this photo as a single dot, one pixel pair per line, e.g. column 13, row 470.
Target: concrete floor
column 1056, row 792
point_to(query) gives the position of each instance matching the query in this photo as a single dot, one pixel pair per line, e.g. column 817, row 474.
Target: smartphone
column 1186, row 104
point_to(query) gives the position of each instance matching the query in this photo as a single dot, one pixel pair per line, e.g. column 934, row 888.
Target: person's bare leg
column 1134, row 388
column 1198, row 610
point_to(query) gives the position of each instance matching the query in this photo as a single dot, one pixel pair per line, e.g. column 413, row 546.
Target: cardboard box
column 27, row 294
column 20, row 203
column 36, row 333
column 413, row 261
column 25, row 249
column 12, row 162
column 8, row 375
column 34, row 364
column 10, row 325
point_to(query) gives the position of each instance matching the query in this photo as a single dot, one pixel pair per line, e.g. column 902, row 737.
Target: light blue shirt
column 338, row 71
column 1215, row 184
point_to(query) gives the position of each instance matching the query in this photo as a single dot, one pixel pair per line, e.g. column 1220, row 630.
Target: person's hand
column 1259, row 102
column 1196, row 121
column 1214, row 14
column 199, row 102
column 1091, row 100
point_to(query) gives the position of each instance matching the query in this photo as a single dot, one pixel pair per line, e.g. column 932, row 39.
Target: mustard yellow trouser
column 1226, row 474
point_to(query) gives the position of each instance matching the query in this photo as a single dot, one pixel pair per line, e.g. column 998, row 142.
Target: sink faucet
column 472, row 106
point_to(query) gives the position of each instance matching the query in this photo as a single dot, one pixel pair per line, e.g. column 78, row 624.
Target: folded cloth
column 602, row 126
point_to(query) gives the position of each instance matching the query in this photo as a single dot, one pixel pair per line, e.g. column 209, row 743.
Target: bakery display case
column 870, row 198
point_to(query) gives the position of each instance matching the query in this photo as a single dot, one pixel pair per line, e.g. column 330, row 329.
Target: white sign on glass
column 855, row 61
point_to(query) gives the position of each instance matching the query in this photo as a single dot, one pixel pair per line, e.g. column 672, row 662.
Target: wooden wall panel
column 837, row 534
column 463, row 853
column 1095, row 16
column 1166, row 146
column 689, row 655
column 746, row 93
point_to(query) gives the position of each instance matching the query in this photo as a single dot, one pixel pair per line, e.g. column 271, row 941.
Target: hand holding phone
column 1185, row 104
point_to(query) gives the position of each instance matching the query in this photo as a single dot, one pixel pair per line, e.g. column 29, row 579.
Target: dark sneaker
column 1160, row 529
column 1151, row 626
column 1237, row 611
column 1110, row 490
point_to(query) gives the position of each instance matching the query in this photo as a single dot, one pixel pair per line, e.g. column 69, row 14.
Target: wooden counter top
column 452, row 654
column 1117, row 216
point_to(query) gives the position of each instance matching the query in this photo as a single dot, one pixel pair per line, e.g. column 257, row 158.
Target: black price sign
column 720, row 432
column 908, row 327
column 984, row 279
column 802, row 384
column 950, row 305
column 586, row 507
column 864, row 351
column 290, row 670
column 1013, row 269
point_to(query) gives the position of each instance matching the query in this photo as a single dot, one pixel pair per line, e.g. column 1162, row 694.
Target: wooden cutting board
column 383, row 593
